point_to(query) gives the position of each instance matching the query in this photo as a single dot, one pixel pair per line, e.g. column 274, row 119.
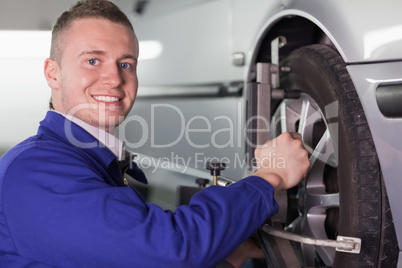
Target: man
column 63, row 202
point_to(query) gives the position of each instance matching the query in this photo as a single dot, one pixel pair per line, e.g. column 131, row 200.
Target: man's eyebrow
column 92, row 52
column 128, row 56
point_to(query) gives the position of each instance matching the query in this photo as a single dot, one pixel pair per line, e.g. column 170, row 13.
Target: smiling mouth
column 106, row 98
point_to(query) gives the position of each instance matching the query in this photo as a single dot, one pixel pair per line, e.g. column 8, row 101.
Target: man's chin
column 111, row 125
column 103, row 119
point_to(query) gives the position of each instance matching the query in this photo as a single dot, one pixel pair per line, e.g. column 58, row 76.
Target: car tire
column 349, row 171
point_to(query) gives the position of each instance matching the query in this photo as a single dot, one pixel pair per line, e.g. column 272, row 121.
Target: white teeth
column 106, row 98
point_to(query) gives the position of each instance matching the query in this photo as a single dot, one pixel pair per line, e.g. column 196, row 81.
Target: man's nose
column 112, row 76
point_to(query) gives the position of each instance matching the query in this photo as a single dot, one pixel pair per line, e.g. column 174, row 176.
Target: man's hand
column 247, row 250
column 283, row 161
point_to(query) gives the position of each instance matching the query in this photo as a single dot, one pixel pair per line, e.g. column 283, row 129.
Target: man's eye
column 93, row 62
column 125, row 65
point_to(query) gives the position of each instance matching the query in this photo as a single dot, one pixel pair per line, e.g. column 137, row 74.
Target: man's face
column 96, row 77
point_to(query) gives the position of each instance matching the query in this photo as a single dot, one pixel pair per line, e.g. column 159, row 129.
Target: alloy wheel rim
column 318, row 195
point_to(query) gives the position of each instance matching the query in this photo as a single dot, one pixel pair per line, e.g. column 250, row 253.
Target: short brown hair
column 103, row 9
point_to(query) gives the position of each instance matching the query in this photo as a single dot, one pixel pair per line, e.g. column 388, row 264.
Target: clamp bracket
column 260, row 93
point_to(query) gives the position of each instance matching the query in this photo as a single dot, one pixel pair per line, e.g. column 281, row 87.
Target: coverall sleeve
column 60, row 212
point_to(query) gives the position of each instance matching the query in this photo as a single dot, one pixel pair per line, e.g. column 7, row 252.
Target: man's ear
column 51, row 70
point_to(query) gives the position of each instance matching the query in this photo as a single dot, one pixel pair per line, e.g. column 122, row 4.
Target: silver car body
column 204, row 45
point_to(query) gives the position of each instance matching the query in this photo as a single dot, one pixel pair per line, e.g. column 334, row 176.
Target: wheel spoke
column 276, row 122
column 314, row 220
column 308, row 116
column 314, row 225
column 324, row 151
column 303, row 116
column 317, row 203
column 283, row 118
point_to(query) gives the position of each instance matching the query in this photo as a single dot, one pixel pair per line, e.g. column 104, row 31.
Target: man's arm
column 291, row 166
column 61, row 212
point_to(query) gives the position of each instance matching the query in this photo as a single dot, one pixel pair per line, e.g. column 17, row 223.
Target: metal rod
column 343, row 244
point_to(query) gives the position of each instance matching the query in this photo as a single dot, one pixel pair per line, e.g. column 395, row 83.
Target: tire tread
column 379, row 244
